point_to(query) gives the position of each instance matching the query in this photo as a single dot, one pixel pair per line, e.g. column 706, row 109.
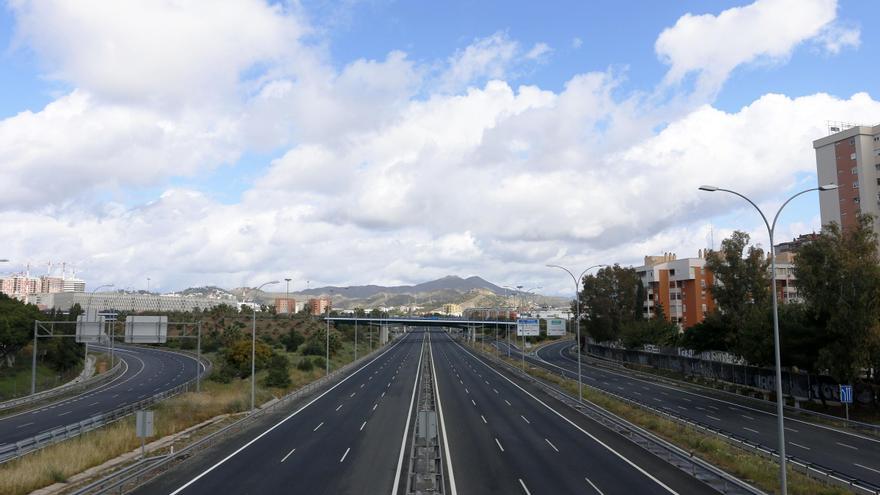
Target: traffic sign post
column 144, row 428
column 846, row 396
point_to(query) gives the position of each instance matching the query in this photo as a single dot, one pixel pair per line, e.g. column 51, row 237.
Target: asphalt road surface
column 851, row 454
column 147, row 372
column 354, row 438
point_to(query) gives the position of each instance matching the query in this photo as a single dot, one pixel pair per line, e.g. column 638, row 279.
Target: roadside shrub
column 305, row 365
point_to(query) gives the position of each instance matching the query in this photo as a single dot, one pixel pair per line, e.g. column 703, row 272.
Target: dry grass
column 753, row 468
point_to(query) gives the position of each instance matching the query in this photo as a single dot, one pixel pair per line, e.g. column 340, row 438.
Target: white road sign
column 146, row 329
column 528, row 327
column 555, row 326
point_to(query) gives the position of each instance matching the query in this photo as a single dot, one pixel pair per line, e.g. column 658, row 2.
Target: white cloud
column 576, row 43
column 392, row 173
column 164, row 51
column 712, row 46
column 835, row 37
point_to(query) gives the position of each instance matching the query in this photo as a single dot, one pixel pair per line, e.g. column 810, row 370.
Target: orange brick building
column 682, row 286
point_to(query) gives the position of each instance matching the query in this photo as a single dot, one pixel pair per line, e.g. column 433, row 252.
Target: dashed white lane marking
column 713, row 417
column 799, row 445
column 499, row 444
column 66, row 412
column 847, row 446
column 22, row 426
column 551, row 445
column 375, row 406
column 866, row 467
column 524, row 419
column 352, row 395
column 508, row 403
column 362, row 426
column 345, row 454
column 495, row 390
column 339, row 407
column 320, row 425
column 94, row 403
column 466, row 390
column 751, row 430
column 472, row 402
column 484, row 419
column 525, row 489
column 288, row 455
column 791, row 430
column 747, row 417
column 383, row 394
column 594, row 486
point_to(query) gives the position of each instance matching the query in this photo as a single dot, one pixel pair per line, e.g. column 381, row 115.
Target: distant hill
column 207, row 291
column 448, row 283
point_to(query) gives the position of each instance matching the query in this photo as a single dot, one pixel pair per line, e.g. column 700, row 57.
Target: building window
column 856, row 185
column 672, row 272
column 855, row 171
column 852, row 141
column 852, row 156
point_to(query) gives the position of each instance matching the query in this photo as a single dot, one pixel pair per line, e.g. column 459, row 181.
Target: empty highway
column 354, row 437
column 146, row 372
column 851, row 454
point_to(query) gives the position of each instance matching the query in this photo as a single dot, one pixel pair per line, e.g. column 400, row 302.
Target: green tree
column 292, row 340
column 609, row 301
column 16, row 327
column 839, row 278
column 237, row 357
column 656, row 331
column 279, row 375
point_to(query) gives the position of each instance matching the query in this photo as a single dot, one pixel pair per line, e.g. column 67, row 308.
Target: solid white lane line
column 316, row 428
column 362, row 426
column 525, row 489
column 551, row 444
column 499, row 444
column 847, row 446
column 866, row 467
column 345, row 454
column 288, row 455
column 452, row 488
column 799, row 445
column 524, row 419
column 594, row 486
column 412, row 401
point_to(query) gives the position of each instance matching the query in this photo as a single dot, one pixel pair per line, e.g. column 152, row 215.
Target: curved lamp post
column 254, row 343
column 771, row 228
column 577, row 321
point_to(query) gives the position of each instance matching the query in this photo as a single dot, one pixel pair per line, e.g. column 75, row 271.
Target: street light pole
column 287, row 297
column 254, row 343
column 771, row 229
column 577, row 321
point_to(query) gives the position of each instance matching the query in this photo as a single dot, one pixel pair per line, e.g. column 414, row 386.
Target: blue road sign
column 846, row 394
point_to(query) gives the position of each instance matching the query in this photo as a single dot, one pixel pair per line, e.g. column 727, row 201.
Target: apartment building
column 285, row 305
column 682, row 286
column 319, row 305
column 849, row 157
column 134, row 302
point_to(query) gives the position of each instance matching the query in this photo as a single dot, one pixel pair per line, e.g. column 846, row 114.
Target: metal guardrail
column 868, row 428
column 62, row 433
column 700, row 469
column 131, row 477
column 812, row 470
column 64, row 389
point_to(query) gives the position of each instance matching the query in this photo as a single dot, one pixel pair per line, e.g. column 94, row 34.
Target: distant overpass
column 422, row 322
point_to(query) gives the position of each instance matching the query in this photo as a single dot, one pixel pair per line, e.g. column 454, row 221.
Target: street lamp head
column 828, row 187
column 708, row 188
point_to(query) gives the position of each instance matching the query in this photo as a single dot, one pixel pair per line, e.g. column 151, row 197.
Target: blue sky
column 337, row 97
